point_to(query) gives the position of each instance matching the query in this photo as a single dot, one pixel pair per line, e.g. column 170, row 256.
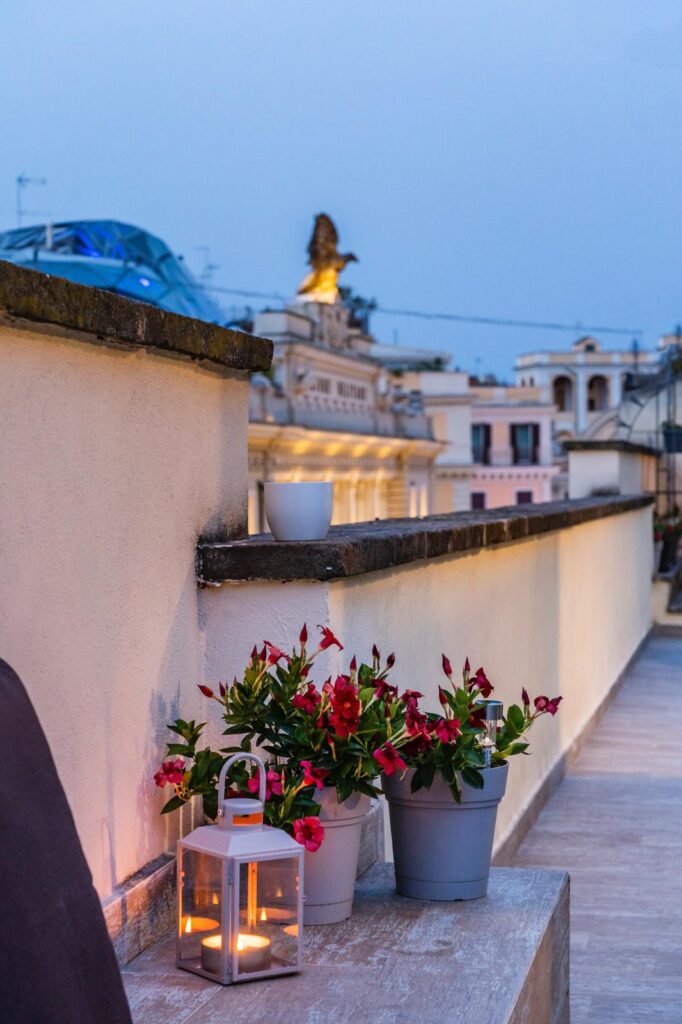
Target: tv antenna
column 208, row 268
column 22, row 181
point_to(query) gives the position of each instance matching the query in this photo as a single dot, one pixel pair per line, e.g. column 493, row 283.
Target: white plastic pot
column 329, row 874
column 299, row 511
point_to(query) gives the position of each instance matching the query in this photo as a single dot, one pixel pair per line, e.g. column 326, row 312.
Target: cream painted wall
column 559, row 614
column 624, row 472
column 112, row 463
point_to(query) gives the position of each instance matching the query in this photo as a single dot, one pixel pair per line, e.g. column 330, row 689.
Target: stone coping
column 31, row 299
column 503, row 959
column 370, row 547
column 614, row 445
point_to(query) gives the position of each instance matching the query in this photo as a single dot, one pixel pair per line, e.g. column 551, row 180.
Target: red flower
column 171, row 772
column 384, row 689
column 481, row 681
column 273, row 783
column 525, row 698
column 303, row 636
column 345, row 716
column 354, row 664
column 447, row 667
column 415, row 721
column 550, row 706
column 389, row 759
column 313, row 776
column 308, row 700
column 309, row 833
column 328, row 639
column 411, row 697
column 206, row 690
column 275, row 654
column 447, row 729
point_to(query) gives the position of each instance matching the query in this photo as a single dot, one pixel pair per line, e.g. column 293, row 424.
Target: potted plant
column 442, row 798
column 669, row 527
column 659, row 529
column 320, row 743
column 672, row 436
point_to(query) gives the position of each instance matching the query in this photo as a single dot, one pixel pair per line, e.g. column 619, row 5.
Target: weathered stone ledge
column 614, row 445
column 369, row 547
column 503, row 959
column 33, row 300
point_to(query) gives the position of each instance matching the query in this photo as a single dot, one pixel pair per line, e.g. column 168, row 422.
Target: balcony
column 127, row 577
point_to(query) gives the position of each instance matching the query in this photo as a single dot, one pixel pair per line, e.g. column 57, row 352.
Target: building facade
column 330, row 411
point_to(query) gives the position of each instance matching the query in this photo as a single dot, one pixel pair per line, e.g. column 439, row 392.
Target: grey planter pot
column 329, row 874
column 442, row 849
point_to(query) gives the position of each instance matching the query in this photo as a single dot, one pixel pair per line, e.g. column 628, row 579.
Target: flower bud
column 206, row 690
column 354, row 664
column 390, row 660
column 525, row 698
column 223, row 689
column 303, row 637
column 447, row 667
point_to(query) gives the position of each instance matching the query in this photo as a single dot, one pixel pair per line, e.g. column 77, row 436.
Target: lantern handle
column 226, row 767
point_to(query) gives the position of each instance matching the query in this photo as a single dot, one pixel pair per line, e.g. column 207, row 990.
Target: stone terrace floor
column 615, row 823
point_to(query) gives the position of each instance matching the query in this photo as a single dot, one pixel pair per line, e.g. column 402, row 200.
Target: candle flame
column 263, row 915
column 215, row 900
column 279, row 894
column 188, row 926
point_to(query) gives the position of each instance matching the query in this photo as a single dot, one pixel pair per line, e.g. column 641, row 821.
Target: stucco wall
column 559, row 614
column 112, row 463
column 592, row 470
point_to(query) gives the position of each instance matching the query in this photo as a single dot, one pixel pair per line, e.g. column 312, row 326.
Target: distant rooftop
column 117, row 257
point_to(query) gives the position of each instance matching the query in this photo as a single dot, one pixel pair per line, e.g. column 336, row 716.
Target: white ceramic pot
column 300, row 511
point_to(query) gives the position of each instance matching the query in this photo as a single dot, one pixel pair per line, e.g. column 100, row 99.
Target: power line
column 490, row 321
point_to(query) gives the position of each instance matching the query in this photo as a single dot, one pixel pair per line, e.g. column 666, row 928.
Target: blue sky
column 507, row 158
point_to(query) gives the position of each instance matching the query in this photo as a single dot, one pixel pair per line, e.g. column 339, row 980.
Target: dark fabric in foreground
column 57, row 964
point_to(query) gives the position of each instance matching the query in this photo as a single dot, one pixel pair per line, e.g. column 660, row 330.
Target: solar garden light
column 494, row 712
column 240, row 893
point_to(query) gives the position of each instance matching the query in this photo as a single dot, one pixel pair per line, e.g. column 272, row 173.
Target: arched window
column 597, row 394
column 563, row 393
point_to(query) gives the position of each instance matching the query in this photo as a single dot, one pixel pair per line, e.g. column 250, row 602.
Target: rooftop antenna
column 22, row 181
column 206, row 276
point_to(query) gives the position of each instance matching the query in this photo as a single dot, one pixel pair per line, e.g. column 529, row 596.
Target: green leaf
column 515, row 718
column 173, row 804
column 473, row 778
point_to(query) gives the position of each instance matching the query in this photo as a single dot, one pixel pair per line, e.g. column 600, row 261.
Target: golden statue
column 327, row 262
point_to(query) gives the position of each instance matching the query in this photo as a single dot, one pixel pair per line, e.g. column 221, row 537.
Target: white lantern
column 240, row 893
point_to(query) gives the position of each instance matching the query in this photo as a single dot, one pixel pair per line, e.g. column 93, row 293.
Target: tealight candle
column 192, row 924
column 277, row 915
column 253, row 953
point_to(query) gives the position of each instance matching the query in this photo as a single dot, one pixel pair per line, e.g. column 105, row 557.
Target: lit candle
column 193, row 924
column 253, row 953
column 277, row 915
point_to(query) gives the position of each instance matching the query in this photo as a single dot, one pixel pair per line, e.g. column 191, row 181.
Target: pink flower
column 309, row 833
column 328, row 639
column 275, row 654
column 273, row 783
column 170, row 772
column 411, row 697
column 447, row 729
column 481, row 681
column 415, row 721
column 308, row 700
column 447, row 667
column 389, row 759
column 544, row 704
column 313, row 776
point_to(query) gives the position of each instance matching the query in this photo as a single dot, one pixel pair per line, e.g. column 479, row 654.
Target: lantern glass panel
column 267, row 910
column 200, row 910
